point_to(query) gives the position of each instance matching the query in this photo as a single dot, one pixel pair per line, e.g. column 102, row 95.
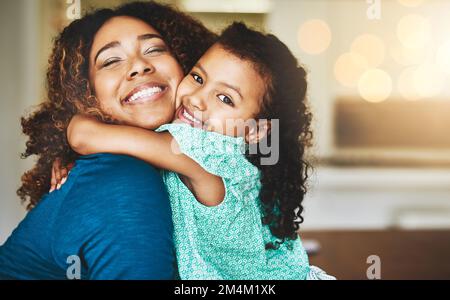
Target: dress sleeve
column 316, row 273
column 218, row 154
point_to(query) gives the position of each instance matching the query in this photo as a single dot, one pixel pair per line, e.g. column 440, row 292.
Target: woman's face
column 133, row 74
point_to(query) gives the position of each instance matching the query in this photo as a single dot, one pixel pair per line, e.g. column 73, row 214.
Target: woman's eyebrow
column 116, row 43
column 149, row 36
column 106, row 47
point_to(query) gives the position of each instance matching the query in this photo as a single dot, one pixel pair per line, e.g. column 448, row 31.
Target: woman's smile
column 133, row 73
column 150, row 91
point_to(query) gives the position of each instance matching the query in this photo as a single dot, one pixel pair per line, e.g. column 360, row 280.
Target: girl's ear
column 258, row 132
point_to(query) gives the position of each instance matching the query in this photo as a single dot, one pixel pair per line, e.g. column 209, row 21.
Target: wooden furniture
column 423, row 254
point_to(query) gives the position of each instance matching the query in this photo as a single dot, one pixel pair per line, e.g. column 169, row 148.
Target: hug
column 129, row 177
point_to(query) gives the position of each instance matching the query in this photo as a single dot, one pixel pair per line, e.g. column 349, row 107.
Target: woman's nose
column 139, row 68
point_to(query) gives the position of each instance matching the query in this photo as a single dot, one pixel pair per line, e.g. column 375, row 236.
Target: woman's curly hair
column 68, row 90
column 283, row 183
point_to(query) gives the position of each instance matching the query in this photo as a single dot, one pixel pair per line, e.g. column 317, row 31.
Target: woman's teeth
column 189, row 117
column 145, row 93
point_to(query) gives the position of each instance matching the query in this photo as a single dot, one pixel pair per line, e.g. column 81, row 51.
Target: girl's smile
column 220, row 90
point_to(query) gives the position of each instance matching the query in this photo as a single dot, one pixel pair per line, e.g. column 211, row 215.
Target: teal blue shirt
column 113, row 213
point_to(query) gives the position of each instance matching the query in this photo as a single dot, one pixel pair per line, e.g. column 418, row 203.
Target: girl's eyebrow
column 116, row 43
column 198, row 65
column 235, row 88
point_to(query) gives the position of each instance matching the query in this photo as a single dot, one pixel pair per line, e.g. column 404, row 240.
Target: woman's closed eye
column 154, row 50
column 225, row 99
column 110, row 61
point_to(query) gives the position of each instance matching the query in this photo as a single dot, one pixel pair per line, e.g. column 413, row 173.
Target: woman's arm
column 87, row 136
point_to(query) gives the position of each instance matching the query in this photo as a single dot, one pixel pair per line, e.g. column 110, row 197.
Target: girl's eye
column 153, row 50
column 110, row 62
column 226, row 99
column 197, row 78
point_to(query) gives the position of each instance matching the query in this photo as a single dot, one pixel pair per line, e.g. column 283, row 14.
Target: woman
column 113, row 214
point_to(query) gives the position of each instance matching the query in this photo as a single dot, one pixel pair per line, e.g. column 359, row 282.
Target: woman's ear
column 258, row 132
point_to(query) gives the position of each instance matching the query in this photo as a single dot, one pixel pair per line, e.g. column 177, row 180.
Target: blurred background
column 379, row 89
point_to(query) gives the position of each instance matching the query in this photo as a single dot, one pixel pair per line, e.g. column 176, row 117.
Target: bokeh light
column 314, row 36
column 411, row 3
column 370, row 47
column 408, row 56
column 349, row 67
column 406, row 84
column 443, row 57
column 428, row 80
column 413, row 31
column 419, row 82
column 375, row 85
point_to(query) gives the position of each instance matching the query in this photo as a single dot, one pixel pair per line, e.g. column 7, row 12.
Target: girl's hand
column 59, row 174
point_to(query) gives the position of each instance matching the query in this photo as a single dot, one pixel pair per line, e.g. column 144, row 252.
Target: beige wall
column 19, row 85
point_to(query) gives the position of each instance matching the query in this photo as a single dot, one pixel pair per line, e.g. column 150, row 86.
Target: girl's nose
column 197, row 102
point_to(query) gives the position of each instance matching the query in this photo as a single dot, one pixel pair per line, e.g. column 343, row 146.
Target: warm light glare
column 349, row 67
column 411, row 3
column 408, row 56
column 370, row 47
column 443, row 57
column 419, row 82
column 428, row 80
column 375, row 85
column 406, row 84
column 413, row 31
column 314, row 36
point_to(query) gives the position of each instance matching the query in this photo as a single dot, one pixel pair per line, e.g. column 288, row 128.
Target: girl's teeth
column 189, row 117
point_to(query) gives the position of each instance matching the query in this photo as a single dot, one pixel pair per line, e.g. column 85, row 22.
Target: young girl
column 235, row 215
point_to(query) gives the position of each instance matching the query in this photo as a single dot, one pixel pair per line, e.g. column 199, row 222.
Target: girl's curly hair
column 68, row 90
column 284, row 183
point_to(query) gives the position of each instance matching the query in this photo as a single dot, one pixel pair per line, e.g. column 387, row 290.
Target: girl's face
column 220, row 93
column 133, row 74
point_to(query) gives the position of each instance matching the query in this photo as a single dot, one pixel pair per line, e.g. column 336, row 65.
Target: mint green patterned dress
column 226, row 241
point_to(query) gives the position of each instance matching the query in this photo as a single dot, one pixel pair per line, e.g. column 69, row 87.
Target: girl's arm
column 87, row 136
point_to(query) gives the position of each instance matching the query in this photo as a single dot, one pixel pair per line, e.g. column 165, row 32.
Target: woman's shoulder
column 104, row 187
column 102, row 178
column 113, row 167
column 108, row 160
